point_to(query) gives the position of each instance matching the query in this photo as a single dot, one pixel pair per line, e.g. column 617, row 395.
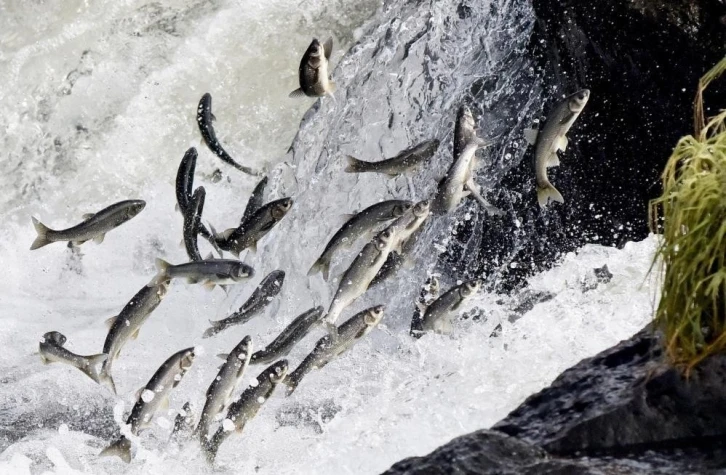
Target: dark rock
column 624, row 399
column 620, row 412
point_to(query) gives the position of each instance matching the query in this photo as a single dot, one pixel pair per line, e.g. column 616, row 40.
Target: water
column 98, row 105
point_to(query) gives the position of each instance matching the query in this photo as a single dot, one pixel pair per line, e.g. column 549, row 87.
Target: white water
column 119, row 134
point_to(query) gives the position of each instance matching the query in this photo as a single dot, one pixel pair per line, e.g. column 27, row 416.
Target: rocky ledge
column 622, row 411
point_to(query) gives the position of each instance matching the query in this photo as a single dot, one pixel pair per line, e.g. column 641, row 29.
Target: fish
column 458, row 182
column 127, row 325
column 151, row 398
column 94, row 226
column 405, row 161
column 192, row 221
column 219, row 393
column 328, row 348
column 260, row 298
column 185, row 179
column 409, row 223
column 358, row 225
column 405, row 230
column 209, row 272
column 204, row 119
column 314, row 70
column 185, row 184
column 246, row 407
column 255, row 201
column 52, row 351
column 429, row 293
column 438, row 315
column 183, row 423
column 360, row 274
column 289, row 337
column 552, row 139
column 236, row 240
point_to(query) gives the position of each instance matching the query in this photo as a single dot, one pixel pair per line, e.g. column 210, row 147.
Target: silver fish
column 220, row 391
column 127, row 325
column 289, row 337
column 405, row 161
column 408, row 224
column 429, row 293
column 183, row 423
column 358, row 225
column 52, row 351
column 552, row 139
column 185, row 184
column 209, row 272
column 236, row 240
column 360, row 274
column 255, row 201
column 328, row 348
column 151, row 398
column 204, row 119
column 192, row 221
column 439, row 314
column 246, row 407
column 94, row 226
column 314, row 71
column 260, row 298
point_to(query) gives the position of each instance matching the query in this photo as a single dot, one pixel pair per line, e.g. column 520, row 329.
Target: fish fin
column 105, row 378
column 297, row 93
column 163, row 273
column 121, row 448
column 208, row 285
column 224, row 235
column 553, row 160
column 192, row 280
column 42, row 239
column 135, row 334
column 209, row 257
column 530, row 135
column 562, row 143
column 473, row 189
column 99, row 239
column 88, row 216
column 212, row 116
column 110, row 321
column 43, row 359
column 480, row 142
column 91, row 362
column 354, row 165
column 328, row 47
column 224, row 356
column 165, row 402
column 332, row 87
column 253, row 247
column 225, row 288
column 176, row 207
column 78, row 243
column 546, row 193
column 421, row 307
column 211, row 331
column 321, row 265
column 137, row 394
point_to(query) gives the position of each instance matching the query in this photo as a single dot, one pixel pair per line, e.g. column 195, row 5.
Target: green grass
column 692, row 249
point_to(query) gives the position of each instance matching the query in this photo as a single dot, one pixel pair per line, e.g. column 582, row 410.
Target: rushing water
column 99, row 100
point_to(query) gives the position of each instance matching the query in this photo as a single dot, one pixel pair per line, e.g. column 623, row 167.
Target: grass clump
column 692, row 249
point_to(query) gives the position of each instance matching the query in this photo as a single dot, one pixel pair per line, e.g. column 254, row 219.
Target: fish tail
column 211, row 331
column 210, row 447
column 92, row 362
column 321, row 265
column 163, row 273
column 104, row 377
column 42, row 230
column 291, row 381
column 354, row 165
column 548, row 192
column 120, row 448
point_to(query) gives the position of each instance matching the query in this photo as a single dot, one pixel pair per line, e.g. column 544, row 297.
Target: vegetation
column 692, row 250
